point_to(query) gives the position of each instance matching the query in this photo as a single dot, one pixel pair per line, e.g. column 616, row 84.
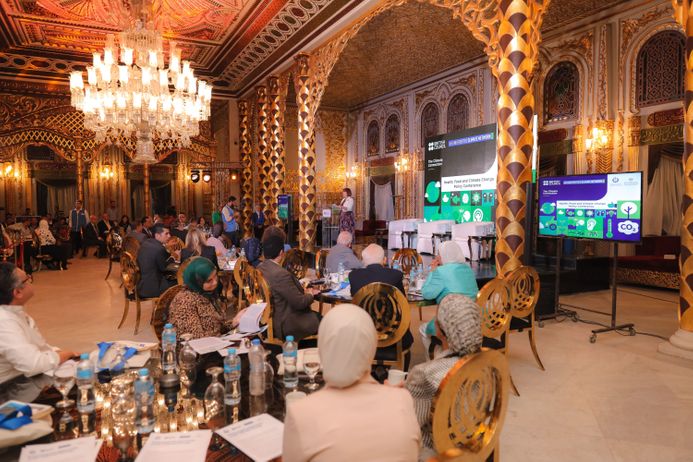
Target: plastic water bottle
column 233, row 251
column 396, row 265
column 290, row 358
column 242, row 254
column 144, row 402
column 84, row 377
column 232, row 378
column 168, row 348
column 256, row 355
column 340, row 271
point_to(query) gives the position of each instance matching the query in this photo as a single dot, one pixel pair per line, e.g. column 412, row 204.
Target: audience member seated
column 275, row 231
column 214, row 240
column 450, row 275
column 374, row 270
column 23, row 350
column 252, row 249
column 196, row 246
column 105, row 225
column 125, row 225
column 353, row 418
column 291, row 304
column 92, row 238
column 147, row 224
column 50, row 246
column 342, row 253
column 137, row 231
column 458, row 326
column 181, row 228
column 195, row 309
column 27, row 239
column 153, row 259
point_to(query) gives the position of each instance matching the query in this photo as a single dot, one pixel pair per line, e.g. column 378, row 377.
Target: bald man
column 374, row 270
column 342, row 253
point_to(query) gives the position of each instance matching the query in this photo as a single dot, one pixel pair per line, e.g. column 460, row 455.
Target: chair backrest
column 358, row 250
column 494, row 302
column 174, row 244
column 295, row 262
column 524, row 291
column 470, row 405
column 131, row 245
column 257, row 291
column 407, row 258
column 321, row 262
column 114, row 243
column 389, row 309
column 160, row 315
column 181, row 269
column 129, row 272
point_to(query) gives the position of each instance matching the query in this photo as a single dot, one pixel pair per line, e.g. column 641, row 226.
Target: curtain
column 384, row 205
column 60, row 197
column 662, row 211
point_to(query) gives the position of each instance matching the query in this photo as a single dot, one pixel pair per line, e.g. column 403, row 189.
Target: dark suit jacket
column 103, row 230
column 91, row 233
column 374, row 273
column 291, row 306
column 152, row 259
column 207, row 251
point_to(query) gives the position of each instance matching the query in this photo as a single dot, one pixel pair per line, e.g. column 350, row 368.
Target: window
column 562, row 93
column 458, row 113
column 392, row 133
column 373, row 139
column 660, row 69
column 429, row 122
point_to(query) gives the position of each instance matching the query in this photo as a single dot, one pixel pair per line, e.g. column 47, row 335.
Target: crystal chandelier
column 138, row 96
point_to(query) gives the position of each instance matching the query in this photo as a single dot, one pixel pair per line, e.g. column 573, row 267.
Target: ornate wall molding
column 661, row 135
column 333, row 125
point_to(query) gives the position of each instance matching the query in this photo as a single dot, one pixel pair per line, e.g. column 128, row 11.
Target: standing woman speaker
column 346, row 216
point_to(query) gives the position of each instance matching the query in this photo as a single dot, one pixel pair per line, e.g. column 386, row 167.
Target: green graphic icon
column 433, row 191
column 547, row 208
column 609, row 234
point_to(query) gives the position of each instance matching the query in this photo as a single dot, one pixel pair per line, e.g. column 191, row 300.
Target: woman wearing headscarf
column 458, row 326
column 450, row 275
column 194, row 310
column 353, row 417
column 49, row 245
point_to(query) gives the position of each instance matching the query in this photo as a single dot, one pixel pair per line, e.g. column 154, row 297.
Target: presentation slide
column 460, row 176
column 601, row 206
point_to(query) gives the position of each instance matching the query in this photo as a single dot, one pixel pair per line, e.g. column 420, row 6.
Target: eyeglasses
column 29, row 278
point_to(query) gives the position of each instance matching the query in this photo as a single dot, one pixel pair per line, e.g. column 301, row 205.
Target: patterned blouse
column 193, row 313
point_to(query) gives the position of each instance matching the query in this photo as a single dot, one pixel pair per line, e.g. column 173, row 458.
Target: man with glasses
column 23, row 350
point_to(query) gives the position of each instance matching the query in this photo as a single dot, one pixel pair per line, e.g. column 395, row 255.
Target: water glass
column 311, row 365
column 214, row 400
column 269, row 371
column 64, row 380
column 187, row 361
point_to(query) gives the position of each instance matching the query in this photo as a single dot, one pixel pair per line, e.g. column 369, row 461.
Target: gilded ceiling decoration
column 562, row 11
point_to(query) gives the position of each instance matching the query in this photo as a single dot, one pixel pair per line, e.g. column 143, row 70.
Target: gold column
column 276, row 144
column 79, row 160
column 147, row 197
column 247, row 162
column 511, row 31
column 306, row 155
column 263, row 147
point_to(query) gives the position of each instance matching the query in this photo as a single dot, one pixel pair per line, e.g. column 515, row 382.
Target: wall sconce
column 234, row 175
column 353, row 173
column 598, row 139
column 402, row 163
column 6, row 171
column 195, row 176
column 106, row 172
column 206, row 176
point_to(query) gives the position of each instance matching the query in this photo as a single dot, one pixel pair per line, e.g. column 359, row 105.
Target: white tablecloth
column 394, row 232
column 462, row 231
column 426, row 231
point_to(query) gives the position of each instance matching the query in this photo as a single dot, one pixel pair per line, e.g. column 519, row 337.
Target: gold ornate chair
column 160, row 311
column 524, row 294
column 131, row 245
column 295, row 262
column 320, row 262
column 494, row 302
column 240, row 268
column 181, row 269
column 257, row 291
column 40, row 257
column 389, row 309
column 358, row 250
column 174, row 244
column 114, row 244
column 130, row 275
column 407, row 258
column 469, row 408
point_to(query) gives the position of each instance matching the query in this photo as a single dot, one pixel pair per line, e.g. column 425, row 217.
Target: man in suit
column 147, row 226
column 77, row 220
column 137, row 233
column 342, row 253
column 181, row 229
column 374, row 270
column 257, row 220
column 92, row 238
column 291, row 304
column 105, row 225
column 153, row 258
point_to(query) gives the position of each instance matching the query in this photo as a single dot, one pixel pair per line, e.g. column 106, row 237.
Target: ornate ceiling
column 231, row 41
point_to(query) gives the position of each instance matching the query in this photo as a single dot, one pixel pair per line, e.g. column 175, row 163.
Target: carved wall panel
column 430, row 121
column 392, row 133
column 660, row 69
column 373, row 139
column 458, row 113
column 333, row 125
column 562, row 93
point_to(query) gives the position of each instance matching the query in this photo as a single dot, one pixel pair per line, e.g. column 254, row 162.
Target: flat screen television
column 598, row 206
column 460, row 175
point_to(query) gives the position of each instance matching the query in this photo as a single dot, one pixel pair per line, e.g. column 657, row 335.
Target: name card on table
column 259, row 437
column 176, row 447
column 78, row 450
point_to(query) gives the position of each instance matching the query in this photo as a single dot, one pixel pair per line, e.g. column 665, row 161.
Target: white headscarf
column 450, row 252
column 347, row 340
column 43, row 225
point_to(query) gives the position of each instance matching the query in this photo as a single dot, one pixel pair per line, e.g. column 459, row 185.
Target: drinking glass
column 214, row 399
column 311, row 365
column 269, row 371
column 327, row 283
column 64, row 380
column 187, row 360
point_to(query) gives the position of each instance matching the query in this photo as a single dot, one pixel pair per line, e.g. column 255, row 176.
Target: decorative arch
column 373, row 139
column 430, row 121
column 458, row 113
column 660, row 69
column 561, row 96
column 392, row 133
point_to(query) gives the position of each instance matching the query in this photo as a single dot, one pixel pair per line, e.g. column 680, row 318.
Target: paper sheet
column 176, row 447
column 250, row 321
column 240, row 350
column 259, row 437
column 237, row 336
column 78, row 450
column 208, row 344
